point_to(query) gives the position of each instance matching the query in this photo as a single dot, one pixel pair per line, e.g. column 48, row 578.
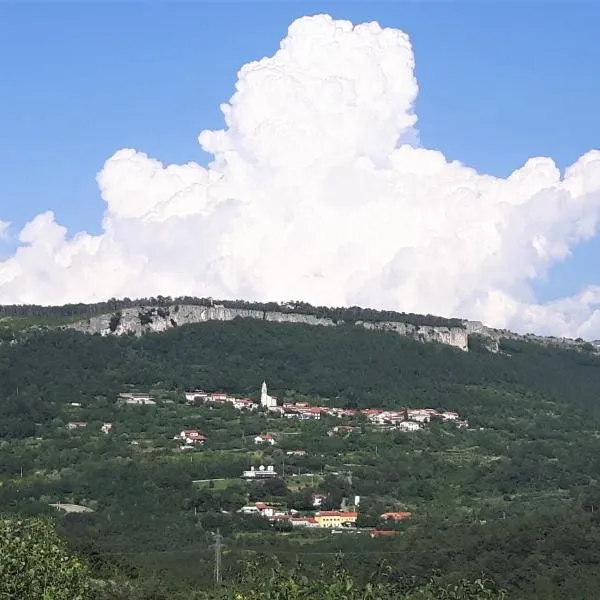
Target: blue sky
column 499, row 82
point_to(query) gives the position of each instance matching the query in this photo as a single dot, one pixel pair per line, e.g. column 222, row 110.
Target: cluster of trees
column 36, row 563
column 336, row 582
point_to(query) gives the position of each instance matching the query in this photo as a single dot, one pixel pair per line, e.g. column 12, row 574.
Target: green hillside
column 515, row 495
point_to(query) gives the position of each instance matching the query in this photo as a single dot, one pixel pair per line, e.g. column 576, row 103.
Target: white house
column 318, row 499
column 77, row 425
column 449, row 416
column 258, row 508
column 191, row 436
column 194, row 396
column 265, row 438
column 136, row 399
column 409, row 426
column 106, row 428
column 249, row 509
column 260, row 473
column 244, row 404
column 420, row 416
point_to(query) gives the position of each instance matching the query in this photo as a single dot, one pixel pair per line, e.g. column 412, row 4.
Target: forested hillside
column 515, row 495
column 348, row 365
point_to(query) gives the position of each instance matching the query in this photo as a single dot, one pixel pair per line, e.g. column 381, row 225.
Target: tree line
column 337, row 314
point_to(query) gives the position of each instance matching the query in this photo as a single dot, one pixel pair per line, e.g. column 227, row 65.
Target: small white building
column 420, row 416
column 244, row 404
column 409, row 426
column 194, row 396
column 318, row 499
column 261, row 473
column 76, row 425
column 449, row 416
column 136, row 399
column 265, row 438
column 191, row 437
column 106, row 428
column 258, row 508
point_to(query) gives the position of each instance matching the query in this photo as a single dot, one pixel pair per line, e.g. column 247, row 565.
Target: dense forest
column 50, row 314
column 514, row 496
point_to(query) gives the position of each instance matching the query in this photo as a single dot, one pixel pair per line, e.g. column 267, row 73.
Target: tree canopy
column 36, row 564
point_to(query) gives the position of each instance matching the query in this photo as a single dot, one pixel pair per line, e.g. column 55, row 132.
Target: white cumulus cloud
column 318, row 192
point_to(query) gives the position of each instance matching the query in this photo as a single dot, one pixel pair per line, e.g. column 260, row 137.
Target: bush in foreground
column 36, row 564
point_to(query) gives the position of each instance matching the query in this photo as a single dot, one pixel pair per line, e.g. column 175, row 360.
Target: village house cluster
column 323, row 519
column 406, row 419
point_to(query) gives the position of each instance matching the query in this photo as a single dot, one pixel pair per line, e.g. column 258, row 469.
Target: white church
column 267, row 401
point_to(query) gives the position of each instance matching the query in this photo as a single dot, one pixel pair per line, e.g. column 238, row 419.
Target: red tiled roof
column 396, row 516
column 303, row 519
column 378, row 532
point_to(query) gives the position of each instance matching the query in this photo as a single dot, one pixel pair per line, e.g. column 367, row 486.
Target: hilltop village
column 344, row 516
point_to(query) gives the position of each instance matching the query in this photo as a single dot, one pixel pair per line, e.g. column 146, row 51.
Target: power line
column 242, row 550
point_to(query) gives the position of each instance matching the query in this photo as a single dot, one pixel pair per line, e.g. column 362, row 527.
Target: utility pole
column 218, row 546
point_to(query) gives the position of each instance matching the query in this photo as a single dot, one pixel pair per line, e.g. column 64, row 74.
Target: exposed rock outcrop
column 452, row 336
column 140, row 320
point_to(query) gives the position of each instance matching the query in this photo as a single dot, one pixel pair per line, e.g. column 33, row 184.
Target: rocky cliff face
column 452, row 336
column 140, row 320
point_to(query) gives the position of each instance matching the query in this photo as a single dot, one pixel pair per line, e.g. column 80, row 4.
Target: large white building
column 260, row 473
column 267, row 401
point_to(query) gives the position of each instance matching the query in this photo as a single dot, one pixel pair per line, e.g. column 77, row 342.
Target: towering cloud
column 318, row 192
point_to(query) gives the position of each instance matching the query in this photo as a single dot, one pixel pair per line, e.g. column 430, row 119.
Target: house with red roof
column 265, row 438
column 396, row 516
column 383, row 532
column 191, row 437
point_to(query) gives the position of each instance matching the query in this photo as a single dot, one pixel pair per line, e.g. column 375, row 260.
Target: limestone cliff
column 140, row 320
column 147, row 319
